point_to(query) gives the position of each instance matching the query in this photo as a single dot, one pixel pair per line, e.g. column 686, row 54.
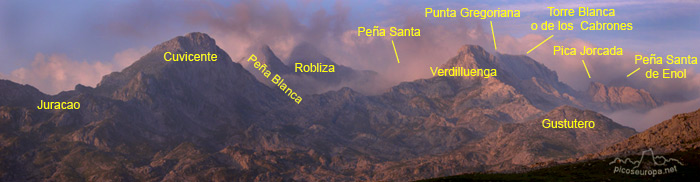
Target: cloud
column 247, row 25
column 125, row 58
column 56, row 72
column 680, row 94
column 611, row 70
column 240, row 28
column 243, row 27
column 529, row 7
column 642, row 121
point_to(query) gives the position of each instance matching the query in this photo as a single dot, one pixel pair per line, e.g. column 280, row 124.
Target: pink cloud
column 56, row 72
column 612, row 70
column 125, row 58
column 642, row 121
column 244, row 26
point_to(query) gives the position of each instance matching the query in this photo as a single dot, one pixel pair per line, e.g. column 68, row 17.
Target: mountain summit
column 160, row 120
column 152, row 76
column 472, row 57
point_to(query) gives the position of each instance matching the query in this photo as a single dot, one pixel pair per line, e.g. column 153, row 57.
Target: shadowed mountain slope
column 187, row 121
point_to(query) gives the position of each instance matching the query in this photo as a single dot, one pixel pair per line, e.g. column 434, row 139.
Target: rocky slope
column 515, row 146
column 676, row 139
column 213, row 121
column 542, row 87
column 616, row 98
column 540, row 84
column 14, row 94
column 680, row 133
column 133, row 116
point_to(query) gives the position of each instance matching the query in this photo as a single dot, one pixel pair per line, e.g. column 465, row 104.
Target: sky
column 54, row 45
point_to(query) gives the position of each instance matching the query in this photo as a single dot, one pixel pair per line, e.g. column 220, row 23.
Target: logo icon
column 650, row 165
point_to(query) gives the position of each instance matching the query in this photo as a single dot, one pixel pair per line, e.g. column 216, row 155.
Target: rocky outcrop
column 189, row 121
column 529, row 142
column 617, row 98
column 680, row 133
column 14, row 94
column 538, row 83
column 514, row 146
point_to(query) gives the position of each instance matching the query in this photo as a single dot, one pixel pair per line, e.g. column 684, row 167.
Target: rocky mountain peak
column 152, row 75
column 195, row 42
column 472, row 49
column 269, row 58
column 570, row 113
column 161, row 120
column 617, row 97
column 472, row 57
column 564, row 110
column 14, row 94
column 266, row 50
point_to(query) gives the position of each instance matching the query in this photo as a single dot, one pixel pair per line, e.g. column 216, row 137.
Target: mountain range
column 215, row 121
